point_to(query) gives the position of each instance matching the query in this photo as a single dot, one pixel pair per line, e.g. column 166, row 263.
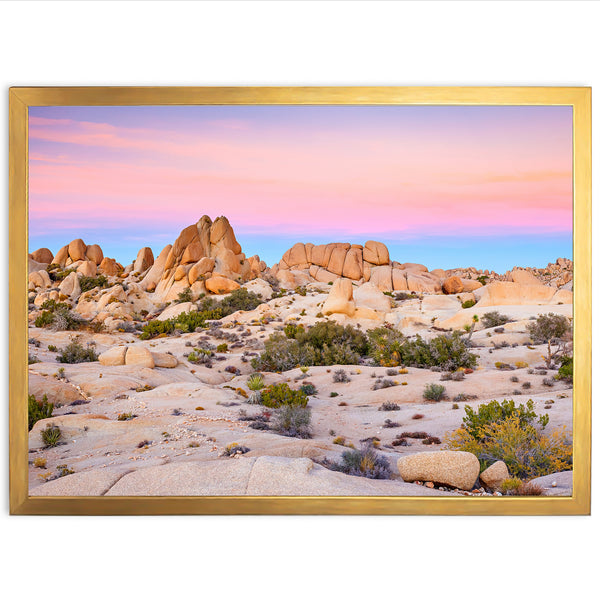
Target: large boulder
column 113, row 357
column 501, row 293
column 156, row 271
column 370, row 296
column 340, row 299
column 139, row 356
column 109, row 266
column 60, row 258
column 77, row 250
column 164, row 360
column 202, row 267
column 221, row 285
column 87, row 268
column 42, row 255
column 144, row 260
column 447, row 467
column 376, row 253
column 39, row 279
column 524, row 277
column 95, row 254
column 260, row 287
column 69, row 286
column 494, row 475
column 452, row 285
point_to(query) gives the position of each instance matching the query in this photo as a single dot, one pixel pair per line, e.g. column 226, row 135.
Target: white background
column 336, row 43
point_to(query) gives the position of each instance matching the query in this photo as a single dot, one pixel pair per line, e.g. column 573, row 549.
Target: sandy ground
column 191, row 413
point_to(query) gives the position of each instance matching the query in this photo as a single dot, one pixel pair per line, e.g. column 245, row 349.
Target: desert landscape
column 338, row 370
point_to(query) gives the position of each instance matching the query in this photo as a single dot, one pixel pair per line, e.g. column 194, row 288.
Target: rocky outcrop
column 369, row 263
column 206, row 253
column 136, row 355
column 42, row 255
column 509, row 293
column 447, row 467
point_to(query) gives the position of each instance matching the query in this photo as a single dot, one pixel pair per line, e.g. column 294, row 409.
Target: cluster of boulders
column 138, row 356
column 205, row 257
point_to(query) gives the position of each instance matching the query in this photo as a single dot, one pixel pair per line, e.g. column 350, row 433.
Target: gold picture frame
column 21, row 98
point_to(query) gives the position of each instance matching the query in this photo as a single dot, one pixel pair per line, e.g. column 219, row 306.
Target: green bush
column 468, row 303
column 89, row 283
column 434, row 392
column 293, row 421
column 292, row 329
column 390, row 348
column 38, row 410
column 185, row 296
column 74, row 352
column 326, row 343
column 363, row 462
column 494, row 319
column 565, row 371
column 51, row 435
column 58, row 315
column 495, row 412
column 280, row 394
column 525, row 449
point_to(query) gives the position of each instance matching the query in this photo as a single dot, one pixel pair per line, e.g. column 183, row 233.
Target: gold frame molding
column 21, row 98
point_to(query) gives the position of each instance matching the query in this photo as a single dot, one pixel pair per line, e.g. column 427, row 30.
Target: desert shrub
column 185, row 322
column 494, row 319
column 184, row 296
column 340, row 376
column 280, row 394
column 256, row 382
column 391, row 372
column 326, row 343
column 126, row 416
column 521, row 364
column 222, row 348
column 551, row 329
column 32, row 359
column 37, row 410
column 382, row 384
column 309, row 389
column 514, row 379
column 495, row 412
column 87, row 283
column 293, row 421
column 58, row 315
column 240, row 299
column 389, row 406
column 434, row 392
column 415, row 435
column 51, row 435
column 390, row 348
column 468, row 303
column 526, row 385
column 363, row 462
column 428, row 441
column 234, row 449
column 502, row 366
column 291, row 330
column 565, row 371
column 389, row 424
column 75, row 352
column 455, row 376
column 548, row 381
column 525, row 449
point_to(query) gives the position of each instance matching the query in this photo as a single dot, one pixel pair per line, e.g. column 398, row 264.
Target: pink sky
column 337, row 171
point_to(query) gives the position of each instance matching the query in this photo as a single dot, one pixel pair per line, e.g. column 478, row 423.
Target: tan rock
column 144, row 260
column 155, row 273
column 417, row 267
column 494, row 475
column 175, row 310
column 353, row 264
column 337, row 259
column 87, row 268
column 164, row 360
column 40, row 279
column 139, row 356
column 370, row 296
column 470, row 285
column 340, row 299
column 381, row 277
column 227, row 264
column 221, row 233
column 321, row 275
column 42, row 255
column 260, row 287
column 296, row 256
column 113, row 357
column 221, row 285
column 562, row 297
column 202, row 267
column 61, row 256
column 69, row 286
column 193, row 253
column 524, row 277
column 77, row 250
column 109, row 266
column 181, row 272
column 186, row 237
column 399, row 281
column 452, row 285
column 94, row 253
column 376, row 253
column 501, row 293
column 447, row 467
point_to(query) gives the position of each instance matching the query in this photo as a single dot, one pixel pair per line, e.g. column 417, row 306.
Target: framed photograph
column 300, row 300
